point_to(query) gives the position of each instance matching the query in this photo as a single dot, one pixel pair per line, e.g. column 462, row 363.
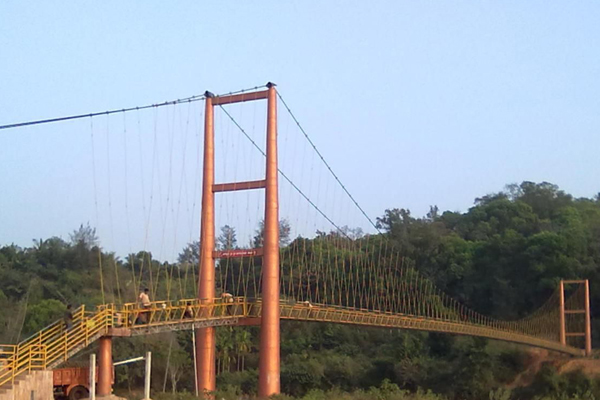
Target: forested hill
column 506, row 255
column 503, row 257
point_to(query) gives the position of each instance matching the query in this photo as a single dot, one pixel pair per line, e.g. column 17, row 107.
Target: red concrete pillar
column 269, row 363
column 105, row 366
column 205, row 337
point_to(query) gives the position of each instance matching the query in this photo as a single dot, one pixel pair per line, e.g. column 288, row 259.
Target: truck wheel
column 78, row 393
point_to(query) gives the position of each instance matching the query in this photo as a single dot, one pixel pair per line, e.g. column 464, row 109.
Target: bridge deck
column 54, row 344
column 243, row 312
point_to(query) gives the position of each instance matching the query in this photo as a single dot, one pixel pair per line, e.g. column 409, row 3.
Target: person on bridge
column 189, row 312
column 68, row 318
column 227, row 298
column 144, row 300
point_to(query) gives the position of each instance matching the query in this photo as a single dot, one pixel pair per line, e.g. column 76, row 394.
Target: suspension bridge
column 335, row 276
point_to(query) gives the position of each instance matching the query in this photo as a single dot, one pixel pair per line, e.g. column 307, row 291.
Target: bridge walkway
column 54, row 344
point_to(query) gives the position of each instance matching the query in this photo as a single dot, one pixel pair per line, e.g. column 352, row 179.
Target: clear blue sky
column 412, row 103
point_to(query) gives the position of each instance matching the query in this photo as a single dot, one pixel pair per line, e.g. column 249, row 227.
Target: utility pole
column 148, row 371
column 148, row 376
column 92, row 378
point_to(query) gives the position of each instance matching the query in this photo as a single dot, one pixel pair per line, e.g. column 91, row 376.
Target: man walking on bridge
column 144, row 300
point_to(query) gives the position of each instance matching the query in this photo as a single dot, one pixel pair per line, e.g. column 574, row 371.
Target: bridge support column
column 269, row 363
column 588, row 324
column 205, row 337
column 582, row 310
column 105, row 366
column 562, row 325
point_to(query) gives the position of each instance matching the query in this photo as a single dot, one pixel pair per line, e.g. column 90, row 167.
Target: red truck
column 71, row 383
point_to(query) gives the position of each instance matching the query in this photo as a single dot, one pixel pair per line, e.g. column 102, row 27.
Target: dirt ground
column 564, row 364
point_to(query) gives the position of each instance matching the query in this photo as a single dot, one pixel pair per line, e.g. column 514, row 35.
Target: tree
column 344, row 231
column 433, row 214
column 42, row 314
column 284, row 233
column 243, row 345
column 544, row 198
column 503, row 257
column 227, row 240
column 225, row 346
column 84, row 236
column 393, row 218
column 179, row 361
column 190, row 254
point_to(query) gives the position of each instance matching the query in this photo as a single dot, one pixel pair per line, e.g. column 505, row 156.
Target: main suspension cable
column 326, row 163
column 95, row 114
column 122, row 110
column 282, row 173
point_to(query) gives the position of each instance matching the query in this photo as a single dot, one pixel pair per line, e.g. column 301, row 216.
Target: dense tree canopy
column 503, row 257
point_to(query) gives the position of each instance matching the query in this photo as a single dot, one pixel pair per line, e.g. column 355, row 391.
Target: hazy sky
column 412, row 103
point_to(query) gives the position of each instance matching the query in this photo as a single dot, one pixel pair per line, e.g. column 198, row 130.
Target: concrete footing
column 37, row 385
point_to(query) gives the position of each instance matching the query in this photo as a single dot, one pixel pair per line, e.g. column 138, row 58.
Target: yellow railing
column 161, row 313
column 55, row 343
column 50, row 332
column 341, row 315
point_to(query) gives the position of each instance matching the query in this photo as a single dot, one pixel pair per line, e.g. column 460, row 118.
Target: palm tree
column 224, row 347
column 243, row 344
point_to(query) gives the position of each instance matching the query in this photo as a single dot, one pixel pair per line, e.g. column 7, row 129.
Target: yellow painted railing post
column 86, row 331
column 65, row 344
